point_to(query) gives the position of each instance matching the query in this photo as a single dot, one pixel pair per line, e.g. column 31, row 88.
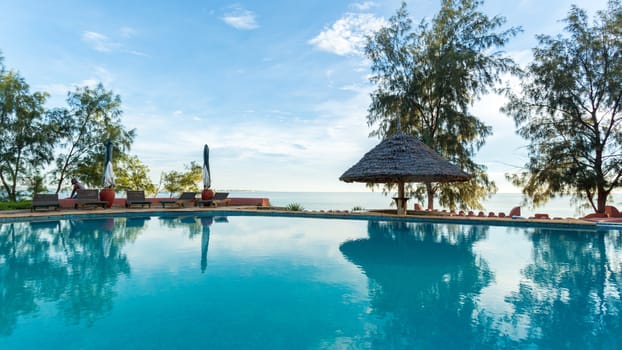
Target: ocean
column 501, row 202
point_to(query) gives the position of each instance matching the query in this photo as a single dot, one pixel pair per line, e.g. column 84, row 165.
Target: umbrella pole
column 401, row 201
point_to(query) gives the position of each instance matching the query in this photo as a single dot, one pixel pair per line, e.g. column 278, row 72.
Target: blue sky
column 278, row 89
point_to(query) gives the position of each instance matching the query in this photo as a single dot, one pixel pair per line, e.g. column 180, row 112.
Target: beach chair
column 219, row 198
column 186, row 197
column 89, row 198
column 48, row 201
column 514, row 212
column 136, row 198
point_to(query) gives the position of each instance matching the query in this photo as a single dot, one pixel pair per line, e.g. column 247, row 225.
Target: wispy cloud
column 102, row 43
column 363, row 6
column 99, row 42
column 127, row 32
column 98, row 74
column 241, row 18
column 347, row 35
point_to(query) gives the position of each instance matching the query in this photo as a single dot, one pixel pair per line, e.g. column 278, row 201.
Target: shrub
column 22, row 204
column 295, row 207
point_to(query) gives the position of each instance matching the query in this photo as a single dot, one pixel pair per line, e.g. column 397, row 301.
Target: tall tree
column 569, row 111
column 132, row 174
column 27, row 135
column 93, row 116
column 428, row 76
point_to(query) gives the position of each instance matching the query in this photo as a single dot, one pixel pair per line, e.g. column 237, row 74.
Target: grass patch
column 23, row 204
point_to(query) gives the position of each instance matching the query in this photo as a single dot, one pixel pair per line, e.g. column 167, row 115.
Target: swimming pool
column 267, row 282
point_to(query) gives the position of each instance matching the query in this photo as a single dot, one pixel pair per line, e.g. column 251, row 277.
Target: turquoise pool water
column 266, row 282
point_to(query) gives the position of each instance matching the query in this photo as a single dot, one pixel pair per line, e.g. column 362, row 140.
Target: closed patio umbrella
column 108, row 179
column 207, row 179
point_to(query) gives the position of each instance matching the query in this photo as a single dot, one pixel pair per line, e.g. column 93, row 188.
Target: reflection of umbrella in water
column 400, row 256
column 207, row 178
column 108, row 180
column 106, row 227
column 399, row 159
column 426, row 285
column 206, row 222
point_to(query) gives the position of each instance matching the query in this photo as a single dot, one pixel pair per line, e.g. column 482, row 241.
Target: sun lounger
column 186, row 197
column 89, row 198
column 219, row 198
column 45, row 201
column 514, row 212
column 136, row 198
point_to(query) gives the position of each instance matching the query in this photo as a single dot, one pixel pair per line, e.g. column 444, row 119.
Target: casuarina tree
column 428, row 76
column 569, row 111
column 27, row 133
column 93, row 116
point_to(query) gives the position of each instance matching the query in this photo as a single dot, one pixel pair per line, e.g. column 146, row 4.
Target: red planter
column 107, row 194
column 207, row 194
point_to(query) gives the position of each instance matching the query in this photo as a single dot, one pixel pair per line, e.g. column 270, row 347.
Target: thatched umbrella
column 400, row 159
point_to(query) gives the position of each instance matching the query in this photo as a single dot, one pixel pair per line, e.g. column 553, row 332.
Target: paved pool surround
column 68, row 203
column 261, row 207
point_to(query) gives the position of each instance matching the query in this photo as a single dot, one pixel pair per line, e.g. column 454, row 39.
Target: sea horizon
column 561, row 206
column 347, row 200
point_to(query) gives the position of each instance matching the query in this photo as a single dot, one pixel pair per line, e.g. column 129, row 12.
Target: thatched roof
column 403, row 158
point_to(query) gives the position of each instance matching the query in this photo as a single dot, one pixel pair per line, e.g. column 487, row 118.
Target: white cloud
column 90, row 83
column 363, row 6
column 102, row 43
column 104, row 75
column 295, row 153
column 99, row 42
column 127, row 32
column 347, row 35
column 241, row 18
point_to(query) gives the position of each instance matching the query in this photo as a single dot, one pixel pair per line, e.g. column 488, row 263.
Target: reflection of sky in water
column 273, row 282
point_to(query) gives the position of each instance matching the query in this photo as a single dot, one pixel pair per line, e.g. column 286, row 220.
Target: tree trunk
column 601, row 200
column 401, row 201
column 430, row 192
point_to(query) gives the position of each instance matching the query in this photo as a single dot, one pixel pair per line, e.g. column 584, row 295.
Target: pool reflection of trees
column 571, row 294
column 423, row 282
column 75, row 265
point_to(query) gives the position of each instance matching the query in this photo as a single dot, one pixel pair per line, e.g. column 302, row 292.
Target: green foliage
column 93, row 116
column 569, row 111
column 358, row 208
column 16, row 205
column 427, row 78
column 132, row 174
column 27, row 135
column 294, row 207
column 35, row 184
column 186, row 181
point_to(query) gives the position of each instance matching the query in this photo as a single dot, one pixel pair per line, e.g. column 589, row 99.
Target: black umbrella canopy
column 207, row 176
column 403, row 158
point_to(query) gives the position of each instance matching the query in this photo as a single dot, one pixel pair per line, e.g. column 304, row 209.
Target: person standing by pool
column 76, row 186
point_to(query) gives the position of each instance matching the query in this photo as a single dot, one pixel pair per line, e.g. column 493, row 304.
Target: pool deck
column 414, row 216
